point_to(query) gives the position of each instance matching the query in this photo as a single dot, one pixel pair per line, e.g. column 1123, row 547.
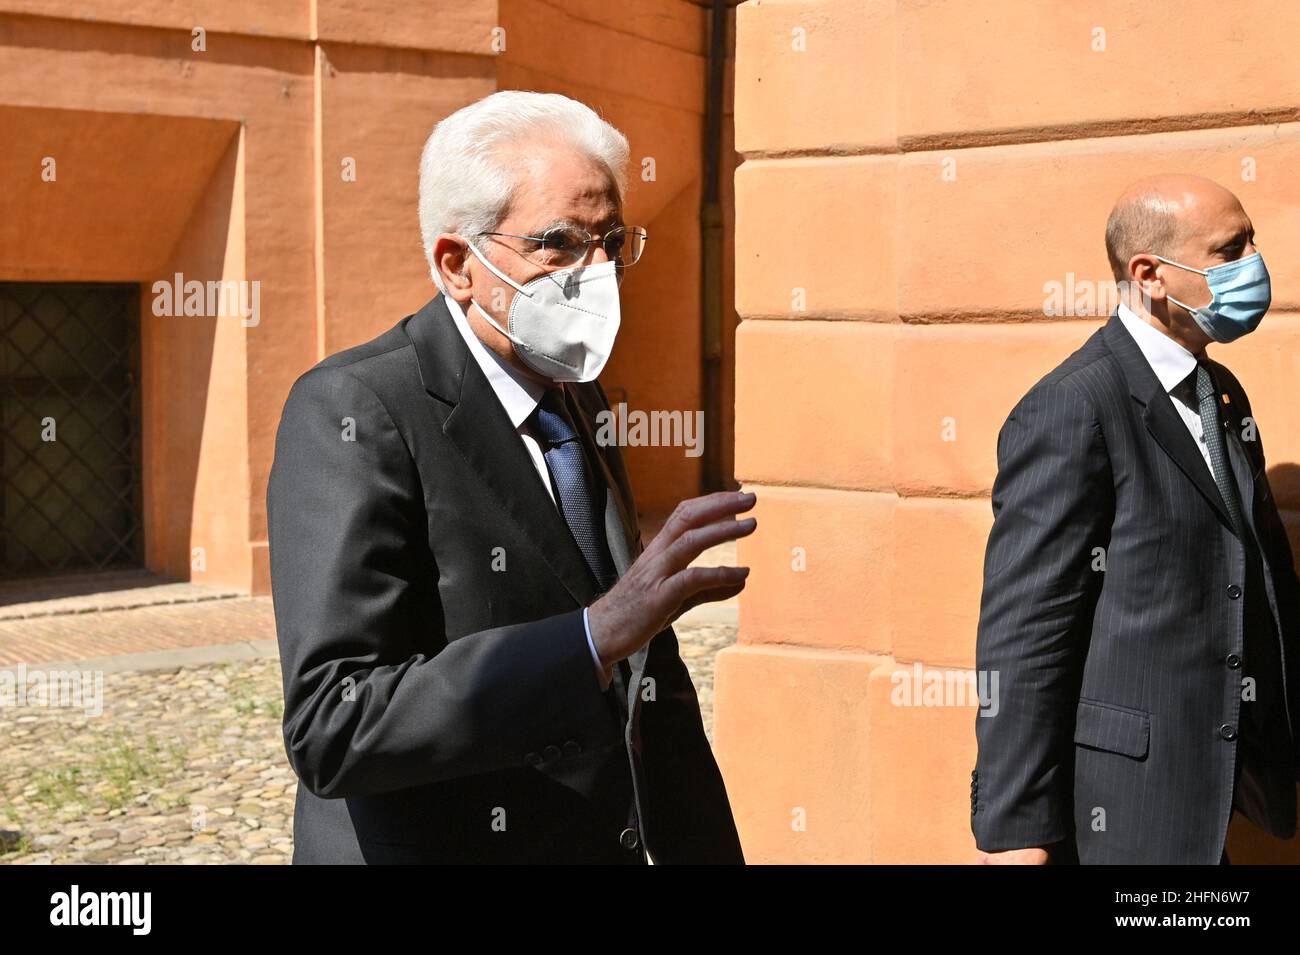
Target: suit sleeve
column 375, row 699
column 1053, row 502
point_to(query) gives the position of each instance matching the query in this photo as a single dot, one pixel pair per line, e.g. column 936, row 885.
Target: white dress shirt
column 519, row 396
column 1174, row 365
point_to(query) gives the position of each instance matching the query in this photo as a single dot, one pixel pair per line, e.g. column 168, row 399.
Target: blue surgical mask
column 1240, row 295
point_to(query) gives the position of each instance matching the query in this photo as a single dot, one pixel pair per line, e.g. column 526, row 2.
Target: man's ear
column 449, row 254
column 1145, row 280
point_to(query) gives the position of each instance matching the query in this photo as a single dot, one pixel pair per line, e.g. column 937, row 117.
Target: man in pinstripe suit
column 1140, row 602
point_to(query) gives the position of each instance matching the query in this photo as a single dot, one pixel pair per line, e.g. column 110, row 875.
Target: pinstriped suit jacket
column 1113, row 616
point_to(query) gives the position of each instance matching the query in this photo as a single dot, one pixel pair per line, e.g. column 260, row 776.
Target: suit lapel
column 1161, row 417
column 482, row 433
column 1167, row 427
column 480, row 430
column 1247, row 472
column 619, row 548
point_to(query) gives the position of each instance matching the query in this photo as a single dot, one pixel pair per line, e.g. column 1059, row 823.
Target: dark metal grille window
column 69, row 368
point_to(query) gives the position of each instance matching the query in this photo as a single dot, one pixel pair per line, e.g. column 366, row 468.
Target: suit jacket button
column 629, row 839
column 1234, row 591
column 533, row 759
column 572, row 747
column 1228, row 731
column 1233, row 661
column 551, row 753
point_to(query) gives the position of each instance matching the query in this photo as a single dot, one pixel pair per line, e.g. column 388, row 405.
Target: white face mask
column 562, row 323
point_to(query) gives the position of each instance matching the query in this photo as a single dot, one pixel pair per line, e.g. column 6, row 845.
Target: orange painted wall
column 914, row 173
column 228, row 162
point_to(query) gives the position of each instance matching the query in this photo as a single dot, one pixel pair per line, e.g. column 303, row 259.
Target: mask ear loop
column 505, row 278
column 494, row 270
column 1179, row 265
column 1187, row 308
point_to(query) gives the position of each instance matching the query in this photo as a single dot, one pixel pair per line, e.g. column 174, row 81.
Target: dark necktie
column 1207, row 397
column 571, row 474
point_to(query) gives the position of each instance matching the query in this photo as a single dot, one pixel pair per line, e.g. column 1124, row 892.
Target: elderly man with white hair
column 477, row 652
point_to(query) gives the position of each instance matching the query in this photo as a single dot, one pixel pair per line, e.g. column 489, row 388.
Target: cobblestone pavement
column 184, row 765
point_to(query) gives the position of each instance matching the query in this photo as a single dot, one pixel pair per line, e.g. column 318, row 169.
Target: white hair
column 466, row 187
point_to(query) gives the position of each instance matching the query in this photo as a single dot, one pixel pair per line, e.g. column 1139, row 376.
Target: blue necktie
column 1207, row 397
column 571, row 475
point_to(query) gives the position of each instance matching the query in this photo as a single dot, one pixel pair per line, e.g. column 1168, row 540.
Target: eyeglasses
column 566, row 244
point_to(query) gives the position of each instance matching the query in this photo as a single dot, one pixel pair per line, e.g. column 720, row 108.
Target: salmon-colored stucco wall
column 914, row 173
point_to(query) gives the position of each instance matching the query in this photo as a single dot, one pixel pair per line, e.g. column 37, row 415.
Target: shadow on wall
column 1284, row 481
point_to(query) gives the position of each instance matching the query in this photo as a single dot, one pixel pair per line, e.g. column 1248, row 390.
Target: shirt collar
column 1171, row 362
column 519, row 395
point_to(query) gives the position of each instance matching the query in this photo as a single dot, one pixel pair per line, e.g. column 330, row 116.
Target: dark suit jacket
column 1120, row 690
column 441, row 702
